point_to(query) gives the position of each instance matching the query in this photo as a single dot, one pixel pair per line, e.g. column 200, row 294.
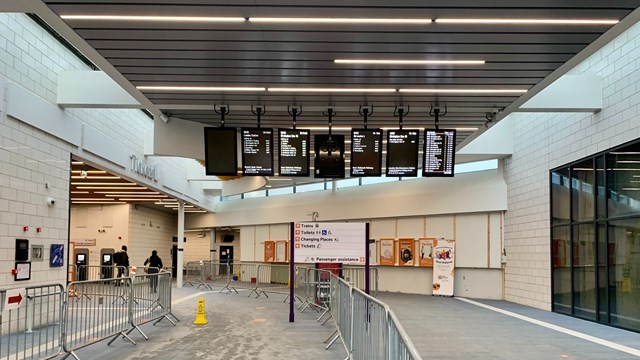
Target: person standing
column 122, row 261
column 155, row 264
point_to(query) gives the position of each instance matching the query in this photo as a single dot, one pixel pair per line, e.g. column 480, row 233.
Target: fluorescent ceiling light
column 628, row 161
column 279, row 179
column 97, row 202
column 108, row 188
column 155, row 18
column 101, row 184
column 530, row 21
column 138, row 199
column 89, row 171
column 465, row 91
column 95, row 177
column 199, row 88
column 127, row 192
column 77, row 163
column 631, row 189
column 408, row 62
column 329, row 20
column 137, row 195
column 361, row 90
column 624, row 153
column 90, row 199
column 79, row 192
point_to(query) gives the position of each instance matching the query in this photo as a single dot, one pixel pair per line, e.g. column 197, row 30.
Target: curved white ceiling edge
column 243, row 185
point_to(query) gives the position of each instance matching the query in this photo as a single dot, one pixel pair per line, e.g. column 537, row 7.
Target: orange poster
column 405, row 249
column 387, row 253
column 269, row 251
column 425, row 252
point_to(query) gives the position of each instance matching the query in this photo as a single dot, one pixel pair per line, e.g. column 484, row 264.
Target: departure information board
column 366, row 152
column 293, row 154
column 439, row 152
column 329, row 159
column 402, row 152
column 220, row 149
column 257, row 152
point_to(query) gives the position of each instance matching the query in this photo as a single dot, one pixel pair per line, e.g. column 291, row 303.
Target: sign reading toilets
column 443, row 267
column 330, row 242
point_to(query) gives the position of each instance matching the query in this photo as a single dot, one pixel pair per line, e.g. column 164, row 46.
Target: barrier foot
column 139, row 330
column 124, row 335
column 330, row 336
column 335, row 337
column 173, row 316
column 254, row 291
column 164, row 317
column 323, row 314
column 326, row 321
column 71, row 353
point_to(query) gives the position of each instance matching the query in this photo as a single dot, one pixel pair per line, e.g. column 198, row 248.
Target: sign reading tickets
column 443, row 267
column 330, row 242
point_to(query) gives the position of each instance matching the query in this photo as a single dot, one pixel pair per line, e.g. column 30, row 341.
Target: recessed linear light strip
column 339, row 90
column 530, row 21
column 110, row 188
column 155, row 18
column 331, row 20
column 199, row 88
column 103, row 184
column 140, row 195
column 408, row 62
column 129, row 192
column 89, row 177
column 98, row 202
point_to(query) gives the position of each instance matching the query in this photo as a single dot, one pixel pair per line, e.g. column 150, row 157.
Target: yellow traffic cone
column 200, row 318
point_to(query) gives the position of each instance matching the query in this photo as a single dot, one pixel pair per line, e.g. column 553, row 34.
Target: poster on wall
column 405, row 250
column 269, row 251
column 387, row 253
column 443, row 267
column 57, row 255
column 281, row 251
column 373, row 252
column 425, row 252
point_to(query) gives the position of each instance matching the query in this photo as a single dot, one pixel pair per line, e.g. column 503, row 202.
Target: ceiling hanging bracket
column 224, row 110
column 294, row 111
column 365, row 111
column 435, row 112
column 400, row 112
column 329, row 114
column 258, row 112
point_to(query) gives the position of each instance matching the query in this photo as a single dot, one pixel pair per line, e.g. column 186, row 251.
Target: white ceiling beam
column 570, row 93
column 92, row 89
column 494, row 143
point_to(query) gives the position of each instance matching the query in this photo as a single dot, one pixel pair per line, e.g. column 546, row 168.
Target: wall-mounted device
column 22, row 250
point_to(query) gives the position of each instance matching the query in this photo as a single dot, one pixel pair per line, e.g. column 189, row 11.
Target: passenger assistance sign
column 330, row 242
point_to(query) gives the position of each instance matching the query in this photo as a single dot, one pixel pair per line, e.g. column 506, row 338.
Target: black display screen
column 293, row 152
column 257, row 152
column 329, row 159
column 402, row 152
column 366, row 152
column 220, row 148
column 439, row 152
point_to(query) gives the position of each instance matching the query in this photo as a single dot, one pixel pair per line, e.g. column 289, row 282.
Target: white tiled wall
column 547, row 140
column 30, row 158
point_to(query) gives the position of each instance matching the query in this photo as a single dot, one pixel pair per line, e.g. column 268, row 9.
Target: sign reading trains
column 330, row 242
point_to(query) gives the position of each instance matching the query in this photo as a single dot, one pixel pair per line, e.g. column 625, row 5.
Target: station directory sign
column 293, row 152
column 439, row 152
column 402, row 152
column 257, row 151
column 366, row 152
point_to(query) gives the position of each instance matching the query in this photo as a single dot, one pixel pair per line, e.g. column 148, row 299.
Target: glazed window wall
column 595, row 237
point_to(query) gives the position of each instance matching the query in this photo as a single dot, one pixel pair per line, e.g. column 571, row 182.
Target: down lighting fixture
column 337, row 90
column 155, row 18
column 199, row 88
column 329, row 20
column 530, row 21
column 465, row 91
column 408, row 62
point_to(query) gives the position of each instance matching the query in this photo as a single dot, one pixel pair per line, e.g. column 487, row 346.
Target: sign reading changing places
column 330, row 242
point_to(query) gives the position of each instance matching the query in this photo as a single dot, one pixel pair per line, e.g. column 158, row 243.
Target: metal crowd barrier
column 355, row 275
column 33, row 330
column 97, row 309
column 368, row 327
column 96, row 272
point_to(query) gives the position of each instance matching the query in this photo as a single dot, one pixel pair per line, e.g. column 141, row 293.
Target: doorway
column 226, row 256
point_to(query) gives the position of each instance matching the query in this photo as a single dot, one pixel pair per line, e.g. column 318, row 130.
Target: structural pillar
column 180, row 262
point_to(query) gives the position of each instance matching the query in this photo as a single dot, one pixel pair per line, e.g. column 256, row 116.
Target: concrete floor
column 449, row 328
column 441, row 328
column 239, row 328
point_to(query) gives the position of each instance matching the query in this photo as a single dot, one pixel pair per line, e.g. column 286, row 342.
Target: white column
column 180, row 264
column 212, row 245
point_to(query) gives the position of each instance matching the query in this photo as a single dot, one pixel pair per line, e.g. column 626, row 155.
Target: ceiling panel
column 302, row 54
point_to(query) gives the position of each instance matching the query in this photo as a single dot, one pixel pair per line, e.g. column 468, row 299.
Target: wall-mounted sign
column 84, row 242
column 57, row 255
column 330, row 242
column 425, row 252
column 281, row 251
column 23, row 271
column 140, row 167
column 269, row 251
column 405, row 248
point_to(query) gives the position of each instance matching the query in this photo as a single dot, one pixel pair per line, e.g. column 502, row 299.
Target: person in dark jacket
column 155, row 264
column 122, row 261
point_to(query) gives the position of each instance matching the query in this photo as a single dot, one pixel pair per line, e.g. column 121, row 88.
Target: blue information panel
column 57, row 255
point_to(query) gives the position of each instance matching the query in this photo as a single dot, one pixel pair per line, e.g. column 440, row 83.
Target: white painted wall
column 111, row 220
column 545, row 141
column 30, row 158
column 151, row 230
column 197, row 248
